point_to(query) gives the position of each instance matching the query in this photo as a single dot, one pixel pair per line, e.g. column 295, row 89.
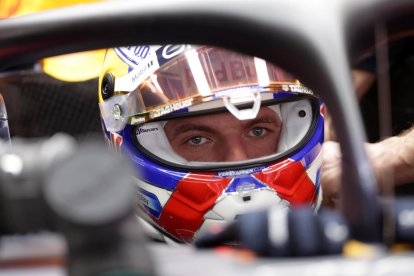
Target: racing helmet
column 180, row 112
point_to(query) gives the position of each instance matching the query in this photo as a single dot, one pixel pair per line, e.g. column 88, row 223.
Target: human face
column 222, row 137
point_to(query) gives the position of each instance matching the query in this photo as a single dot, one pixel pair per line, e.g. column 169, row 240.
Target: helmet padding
column 297, row 119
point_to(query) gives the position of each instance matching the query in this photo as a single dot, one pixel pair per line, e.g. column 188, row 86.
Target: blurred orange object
column 74, row 67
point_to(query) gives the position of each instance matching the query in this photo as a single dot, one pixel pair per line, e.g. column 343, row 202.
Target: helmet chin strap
column 244, row 97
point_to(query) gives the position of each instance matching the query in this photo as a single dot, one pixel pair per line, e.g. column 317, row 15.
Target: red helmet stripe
column 192, row 198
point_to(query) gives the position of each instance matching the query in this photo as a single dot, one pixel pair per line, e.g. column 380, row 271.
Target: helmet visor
column 197, row 75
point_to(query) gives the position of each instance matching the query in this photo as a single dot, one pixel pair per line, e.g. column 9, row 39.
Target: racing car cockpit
column 193, row 143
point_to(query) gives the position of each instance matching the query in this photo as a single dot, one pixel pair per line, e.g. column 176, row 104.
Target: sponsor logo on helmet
column 171, row 108
column 143, row 199
column 144, row 60
column 133, row 55
column 170, row 51
column 137, row 120
column 144, row 130
column 297, row 89
column 240, row 172
column 150, row 202
column 238, row 91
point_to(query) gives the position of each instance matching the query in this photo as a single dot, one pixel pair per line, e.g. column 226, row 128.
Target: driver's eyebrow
column 183, row 128
column 267, row 119
column 262, row 119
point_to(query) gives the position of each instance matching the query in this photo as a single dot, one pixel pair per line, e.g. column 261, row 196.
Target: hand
column 332, row 170
column 331, row 174
column 392, row 161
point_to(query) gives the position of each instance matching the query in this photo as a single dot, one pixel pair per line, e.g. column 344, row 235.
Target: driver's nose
column 235, row 151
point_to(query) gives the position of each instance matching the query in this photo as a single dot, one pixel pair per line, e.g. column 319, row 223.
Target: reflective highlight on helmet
column 160, row 82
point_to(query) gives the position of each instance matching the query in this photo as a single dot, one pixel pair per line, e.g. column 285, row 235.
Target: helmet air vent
column 108, row 86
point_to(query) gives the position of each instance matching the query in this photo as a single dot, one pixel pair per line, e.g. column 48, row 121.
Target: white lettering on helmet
column 171, row 51
column 137, row 120
column 300, row 89
column 239, row 172
column 171, row 108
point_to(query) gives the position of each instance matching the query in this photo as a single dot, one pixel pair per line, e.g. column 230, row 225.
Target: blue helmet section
column 148, row 170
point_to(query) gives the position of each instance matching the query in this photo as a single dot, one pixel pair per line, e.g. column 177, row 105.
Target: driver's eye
column 257, row 131
column 197, row 140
